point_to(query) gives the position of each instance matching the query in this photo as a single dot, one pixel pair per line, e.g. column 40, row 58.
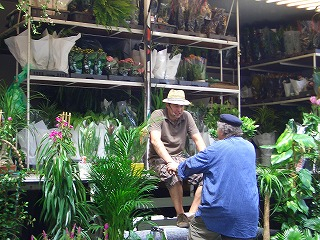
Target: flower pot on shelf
column 8, row 169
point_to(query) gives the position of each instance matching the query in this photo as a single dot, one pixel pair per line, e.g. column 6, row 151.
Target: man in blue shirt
column 229, row 206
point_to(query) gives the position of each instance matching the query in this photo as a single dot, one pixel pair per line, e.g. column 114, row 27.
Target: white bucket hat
column 176, row 97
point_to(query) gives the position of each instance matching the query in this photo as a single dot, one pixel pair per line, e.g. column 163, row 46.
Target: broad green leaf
column 278, row 158
column 305, row 140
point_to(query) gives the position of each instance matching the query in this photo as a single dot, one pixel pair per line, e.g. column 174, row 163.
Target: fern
column 112, row 12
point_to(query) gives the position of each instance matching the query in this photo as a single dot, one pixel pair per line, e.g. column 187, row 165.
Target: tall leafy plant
column 62, row 188
column 266, row 118
column 128, row 143
column 291, row 149
column 120, row 192
column 88, row 140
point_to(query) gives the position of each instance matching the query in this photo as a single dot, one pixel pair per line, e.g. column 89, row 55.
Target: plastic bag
column 16, row 96
column 159, row 69
column 172, row 66
column 126, row 115
column 18, row 47
column 40, row 50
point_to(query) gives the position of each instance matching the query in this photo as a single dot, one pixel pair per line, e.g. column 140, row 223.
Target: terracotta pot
column 6, row 169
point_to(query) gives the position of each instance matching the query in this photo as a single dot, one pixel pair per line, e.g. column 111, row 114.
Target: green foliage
column 11, row 105
column 13, row 210
column 213, row 116
column 112, row 13
column 157, row 97
column 128, row 143
column 88, row 140
column 249, row 127
column 298, row 185
column 265, row 117
column 295, row 233
column 23, row 6
column 48, row 112
column 62, row 188
column 120, row 193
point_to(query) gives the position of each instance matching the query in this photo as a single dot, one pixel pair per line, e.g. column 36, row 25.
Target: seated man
column 169, row 129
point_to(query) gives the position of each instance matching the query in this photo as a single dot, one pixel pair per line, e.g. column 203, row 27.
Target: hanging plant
column 113, row 12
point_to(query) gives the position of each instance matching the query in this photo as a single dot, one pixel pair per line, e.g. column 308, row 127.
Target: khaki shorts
column 160, row 167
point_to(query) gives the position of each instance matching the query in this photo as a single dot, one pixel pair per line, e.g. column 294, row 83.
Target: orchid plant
column 62, row 188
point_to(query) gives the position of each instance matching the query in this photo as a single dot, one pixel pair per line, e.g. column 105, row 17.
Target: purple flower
column 106, row 226
column 58, row 119
column 45, row 237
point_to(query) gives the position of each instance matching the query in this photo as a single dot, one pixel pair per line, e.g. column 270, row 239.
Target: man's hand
column 172, row 167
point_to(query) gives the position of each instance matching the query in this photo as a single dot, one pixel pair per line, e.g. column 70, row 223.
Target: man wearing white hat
column 169, row 130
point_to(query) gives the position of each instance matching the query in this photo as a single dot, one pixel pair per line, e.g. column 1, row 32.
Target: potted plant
column 120, row 192
column 265, row 117
column 63, row 191
column 285, row 177
column 113, row 13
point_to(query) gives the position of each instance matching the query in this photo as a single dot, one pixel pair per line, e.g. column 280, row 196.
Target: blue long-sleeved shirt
column 230, row 199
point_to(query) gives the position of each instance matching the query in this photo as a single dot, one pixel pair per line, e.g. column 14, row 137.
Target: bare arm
column 198, row 140
column 155, row 138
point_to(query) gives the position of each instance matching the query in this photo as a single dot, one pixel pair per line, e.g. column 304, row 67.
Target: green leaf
column 305, row 141
column 279, row 158
column 293, row 206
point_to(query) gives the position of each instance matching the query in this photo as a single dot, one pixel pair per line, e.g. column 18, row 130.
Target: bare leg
column 196, row 200
column 176, row 194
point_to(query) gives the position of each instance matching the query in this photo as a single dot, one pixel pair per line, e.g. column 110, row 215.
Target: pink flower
column 106, row 226
column 55, row 134
column 313, row 99
column 109, row 59
column 318, row 102
column 58, row 119
column 9, row 118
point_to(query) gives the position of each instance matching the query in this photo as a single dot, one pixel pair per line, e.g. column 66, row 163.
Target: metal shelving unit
column 296, row 64
column 136, row 34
